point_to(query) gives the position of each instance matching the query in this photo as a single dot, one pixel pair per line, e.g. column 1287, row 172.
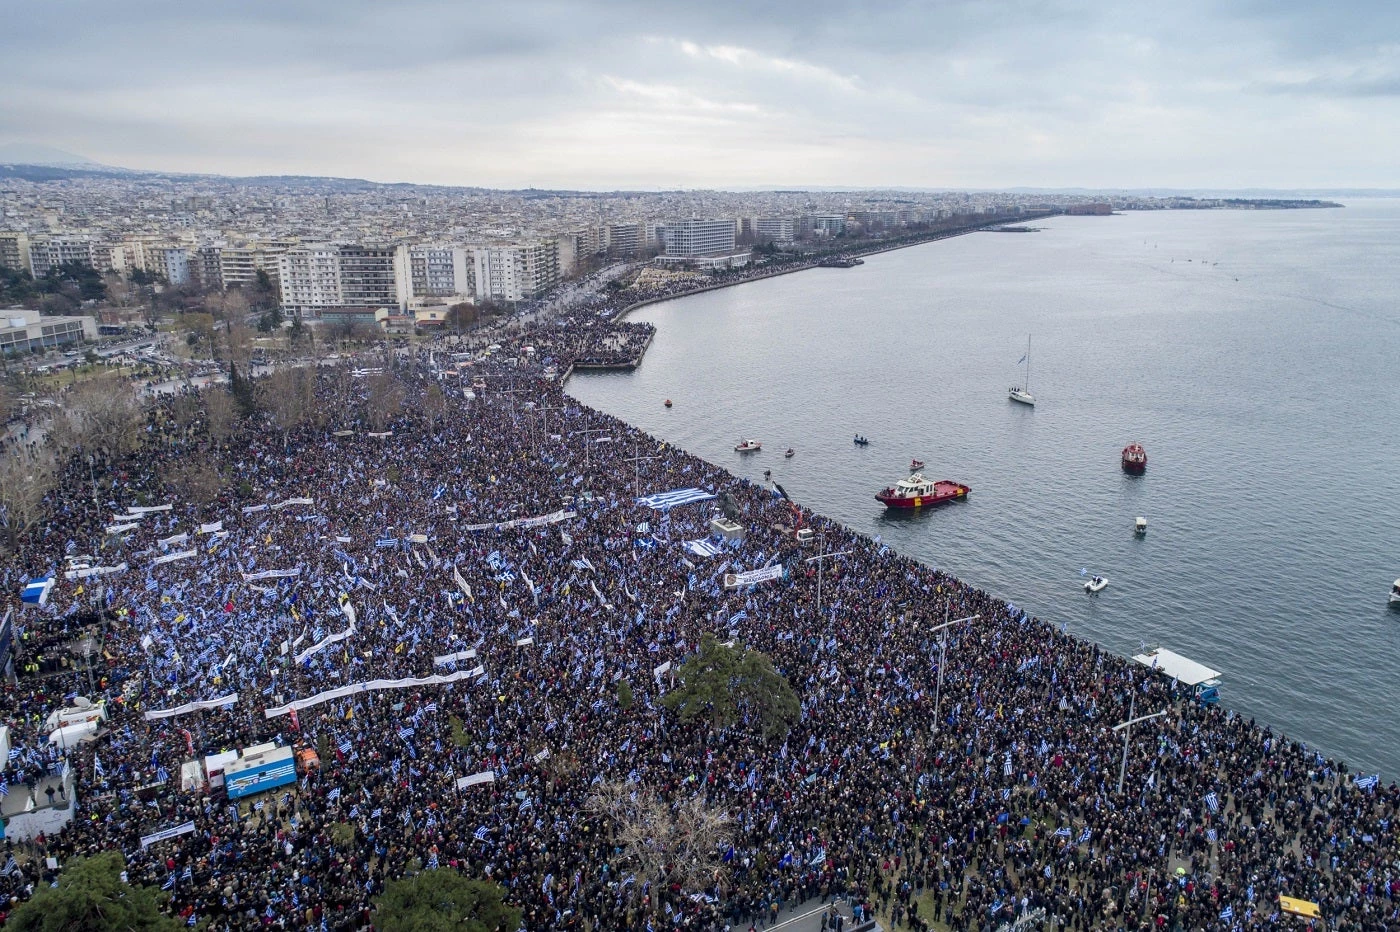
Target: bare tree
column 102, row 414
column 289, row 398
column 24, row 482
column 219, row 411
column 386, row 398
column 681, row 843
column 196, row 481
column 434, row 405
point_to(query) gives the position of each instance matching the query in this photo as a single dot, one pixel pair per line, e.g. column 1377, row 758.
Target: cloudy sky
column 944, row 93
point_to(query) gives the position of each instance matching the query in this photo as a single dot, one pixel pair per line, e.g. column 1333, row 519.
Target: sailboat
column 1022, row 393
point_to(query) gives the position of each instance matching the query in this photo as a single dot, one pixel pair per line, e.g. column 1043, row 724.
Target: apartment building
column 625, row 240
column 14, row 251
column 694, row 238
column 240, row 262
column 367, row 276
column 309, row 277
column 779, row 230
column 516, row 271
column 50, row 251
column 434, row 270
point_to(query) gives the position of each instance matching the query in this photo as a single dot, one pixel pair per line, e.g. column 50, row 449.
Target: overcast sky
column 983, row 93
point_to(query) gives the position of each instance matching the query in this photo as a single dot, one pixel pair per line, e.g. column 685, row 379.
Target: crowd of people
column 939, row 784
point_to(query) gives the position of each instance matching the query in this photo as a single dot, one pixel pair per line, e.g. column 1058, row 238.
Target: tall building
column 309, row 277
column 434, row 270
column 47, row 252
column 626, row 239
column 774, row 230
column 170, row 262
column 367, row 276
column 516, row 271
column 693, row 238
column 14, row 251
column 240, row 263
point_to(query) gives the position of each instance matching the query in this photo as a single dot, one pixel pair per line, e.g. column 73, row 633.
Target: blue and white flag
column 36, row 592
column 1062, row 832
column 333, row 795
column 1086, row 835
column 1227, row 914
column 480, row 833
column 1366, row 783
column 1212, row 801
column 663, row 500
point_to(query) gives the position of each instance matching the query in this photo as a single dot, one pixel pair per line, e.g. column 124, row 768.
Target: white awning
column 1182, row 669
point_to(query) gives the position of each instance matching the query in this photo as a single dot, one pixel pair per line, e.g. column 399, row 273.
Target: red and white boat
column 1134, row 458
column 748, row 446
column 918, row 492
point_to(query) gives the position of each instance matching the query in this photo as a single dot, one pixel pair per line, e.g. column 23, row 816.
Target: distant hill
column 25, row 153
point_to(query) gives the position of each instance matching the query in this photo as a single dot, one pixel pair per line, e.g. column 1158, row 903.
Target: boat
column 1022, row 392
column 1395, row 594
column 862, row 441
column 1140, row 527
column 1134, row 459
column 668, row 402
column 748, row 446
column 790, row 453
column 1203, row 682
column 916, row 465
column 918, row 492
column 1096, row 584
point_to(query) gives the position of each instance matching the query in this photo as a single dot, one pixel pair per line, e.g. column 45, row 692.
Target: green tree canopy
column 726, row 684
column 92, row 896
column 443, row 899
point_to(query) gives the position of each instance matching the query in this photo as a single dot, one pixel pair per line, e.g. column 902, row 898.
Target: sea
column 1254, row 354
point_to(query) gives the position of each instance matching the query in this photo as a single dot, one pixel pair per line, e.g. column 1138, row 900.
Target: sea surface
column 1254, row 354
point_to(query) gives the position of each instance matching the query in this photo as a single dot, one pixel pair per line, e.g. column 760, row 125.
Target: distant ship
column 1022, row 392
column 1134, row 459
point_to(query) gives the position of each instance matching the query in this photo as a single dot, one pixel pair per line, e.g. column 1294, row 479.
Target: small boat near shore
column 918, row 492
column 1096, row 584
column 748, row 446
column 1022, row 393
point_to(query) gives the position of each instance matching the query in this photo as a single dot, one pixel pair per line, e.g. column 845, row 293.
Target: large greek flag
column 664, row 500
column 702, row 548
column 37, row 591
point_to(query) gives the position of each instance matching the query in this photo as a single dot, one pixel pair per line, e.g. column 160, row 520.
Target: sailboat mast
column 1028, row 363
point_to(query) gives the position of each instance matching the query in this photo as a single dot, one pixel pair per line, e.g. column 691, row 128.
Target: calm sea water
column 1255, row 355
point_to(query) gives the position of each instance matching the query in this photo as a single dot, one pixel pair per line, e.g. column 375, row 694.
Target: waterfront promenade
column 939, row 787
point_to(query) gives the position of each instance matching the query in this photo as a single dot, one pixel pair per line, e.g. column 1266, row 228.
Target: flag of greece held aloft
column 1367, row 783
column 36, row 592
column 673, row 499
column 702, row 548
column 1212, row 801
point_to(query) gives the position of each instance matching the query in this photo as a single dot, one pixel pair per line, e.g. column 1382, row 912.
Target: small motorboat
column 1395, row 594
column 916, row 465
column 668, row 402
column 1096, row 584
column 790, row 453
column 1134, row 459
column 748, row 446
column 1140, row 527
column 862, row 441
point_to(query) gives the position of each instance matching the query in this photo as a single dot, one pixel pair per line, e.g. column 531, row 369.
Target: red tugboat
column 1134, row 459
column 918, row 492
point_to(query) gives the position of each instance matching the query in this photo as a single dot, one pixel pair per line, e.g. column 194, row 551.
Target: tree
column 91, row 895
column 386, row 398
column 24, row 483
column 444, row 899
column 434, row 404
column 664, row 843
column 729, row 685
column 242, row 391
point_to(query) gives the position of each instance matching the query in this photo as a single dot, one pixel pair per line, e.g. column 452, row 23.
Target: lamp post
column 636, row 460
column 1127, row 729
column 818, row 559
column 942, row 656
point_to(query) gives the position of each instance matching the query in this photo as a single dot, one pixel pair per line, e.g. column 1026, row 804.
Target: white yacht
column 1395, row 594
column 1096, row 584
column 1022, row 392
column 1140, row 527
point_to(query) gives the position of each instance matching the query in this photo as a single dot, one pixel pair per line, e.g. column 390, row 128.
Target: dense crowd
column 958, row 797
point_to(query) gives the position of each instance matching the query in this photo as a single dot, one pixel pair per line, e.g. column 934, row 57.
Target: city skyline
column 632, row 96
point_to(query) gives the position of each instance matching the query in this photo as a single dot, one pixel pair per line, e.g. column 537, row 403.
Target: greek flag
column 386, row 543
column 36, row 592
column 738, row 616
column 4, row 789
column 1212, row 835
column 1366, row 783
column 433, row 861
column 1062, row 832
column 1212, row 801
column 430, row 707
column 1227, row 914
column 406, row 732
column 376, row 814
column 169, row 883
column 702, row 548
column 333, row 795
column 664, row 500
column 1006, row 767
column 345, row 746
column 480, row 833
column 1085, row 835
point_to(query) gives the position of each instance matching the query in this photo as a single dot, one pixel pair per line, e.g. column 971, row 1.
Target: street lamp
column 942, row 656
column 1127, row 728
column 821, row 565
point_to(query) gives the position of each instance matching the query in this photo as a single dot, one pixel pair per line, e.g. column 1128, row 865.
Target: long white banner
column 175, row 831
column 172, row 557
column 272, row 574
column 326, row 641
column 443, row 660
column 292, row 501
column 553, row 517
column 437, row 679
column 768, row 573
column 486, row 776
column 85, row 572
column 151, row 715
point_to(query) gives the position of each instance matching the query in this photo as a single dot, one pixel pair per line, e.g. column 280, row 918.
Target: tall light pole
column 636, row 460
column 942, row 656
column 1127, row 729
column 819, row 560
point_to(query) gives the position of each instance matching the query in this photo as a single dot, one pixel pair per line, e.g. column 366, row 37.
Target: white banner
column 254, row 509
column 553, row 517
column 145, row 511
column 151, row 715
column 468, row 654
column 379, row 433
column 171, row 541
column 462, row 583
column 753, row 577
column 211, row 528
column 165, row 834
column 292, row 501
column 122, row 528
column 437, row 679
column 486, row 776
column 326, row 641
column 524, row 642
column 663, row 668
column 172, row 557
column 271, row 574
column 85, row 572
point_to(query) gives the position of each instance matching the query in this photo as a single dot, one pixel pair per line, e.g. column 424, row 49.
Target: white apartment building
column 434, row 270
column 367, row 276
column 626, row 239
column 240, row 263
column 309, row 277
column 516, row 271
column 780, row 230
column 46, row 252
column 694, row 238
